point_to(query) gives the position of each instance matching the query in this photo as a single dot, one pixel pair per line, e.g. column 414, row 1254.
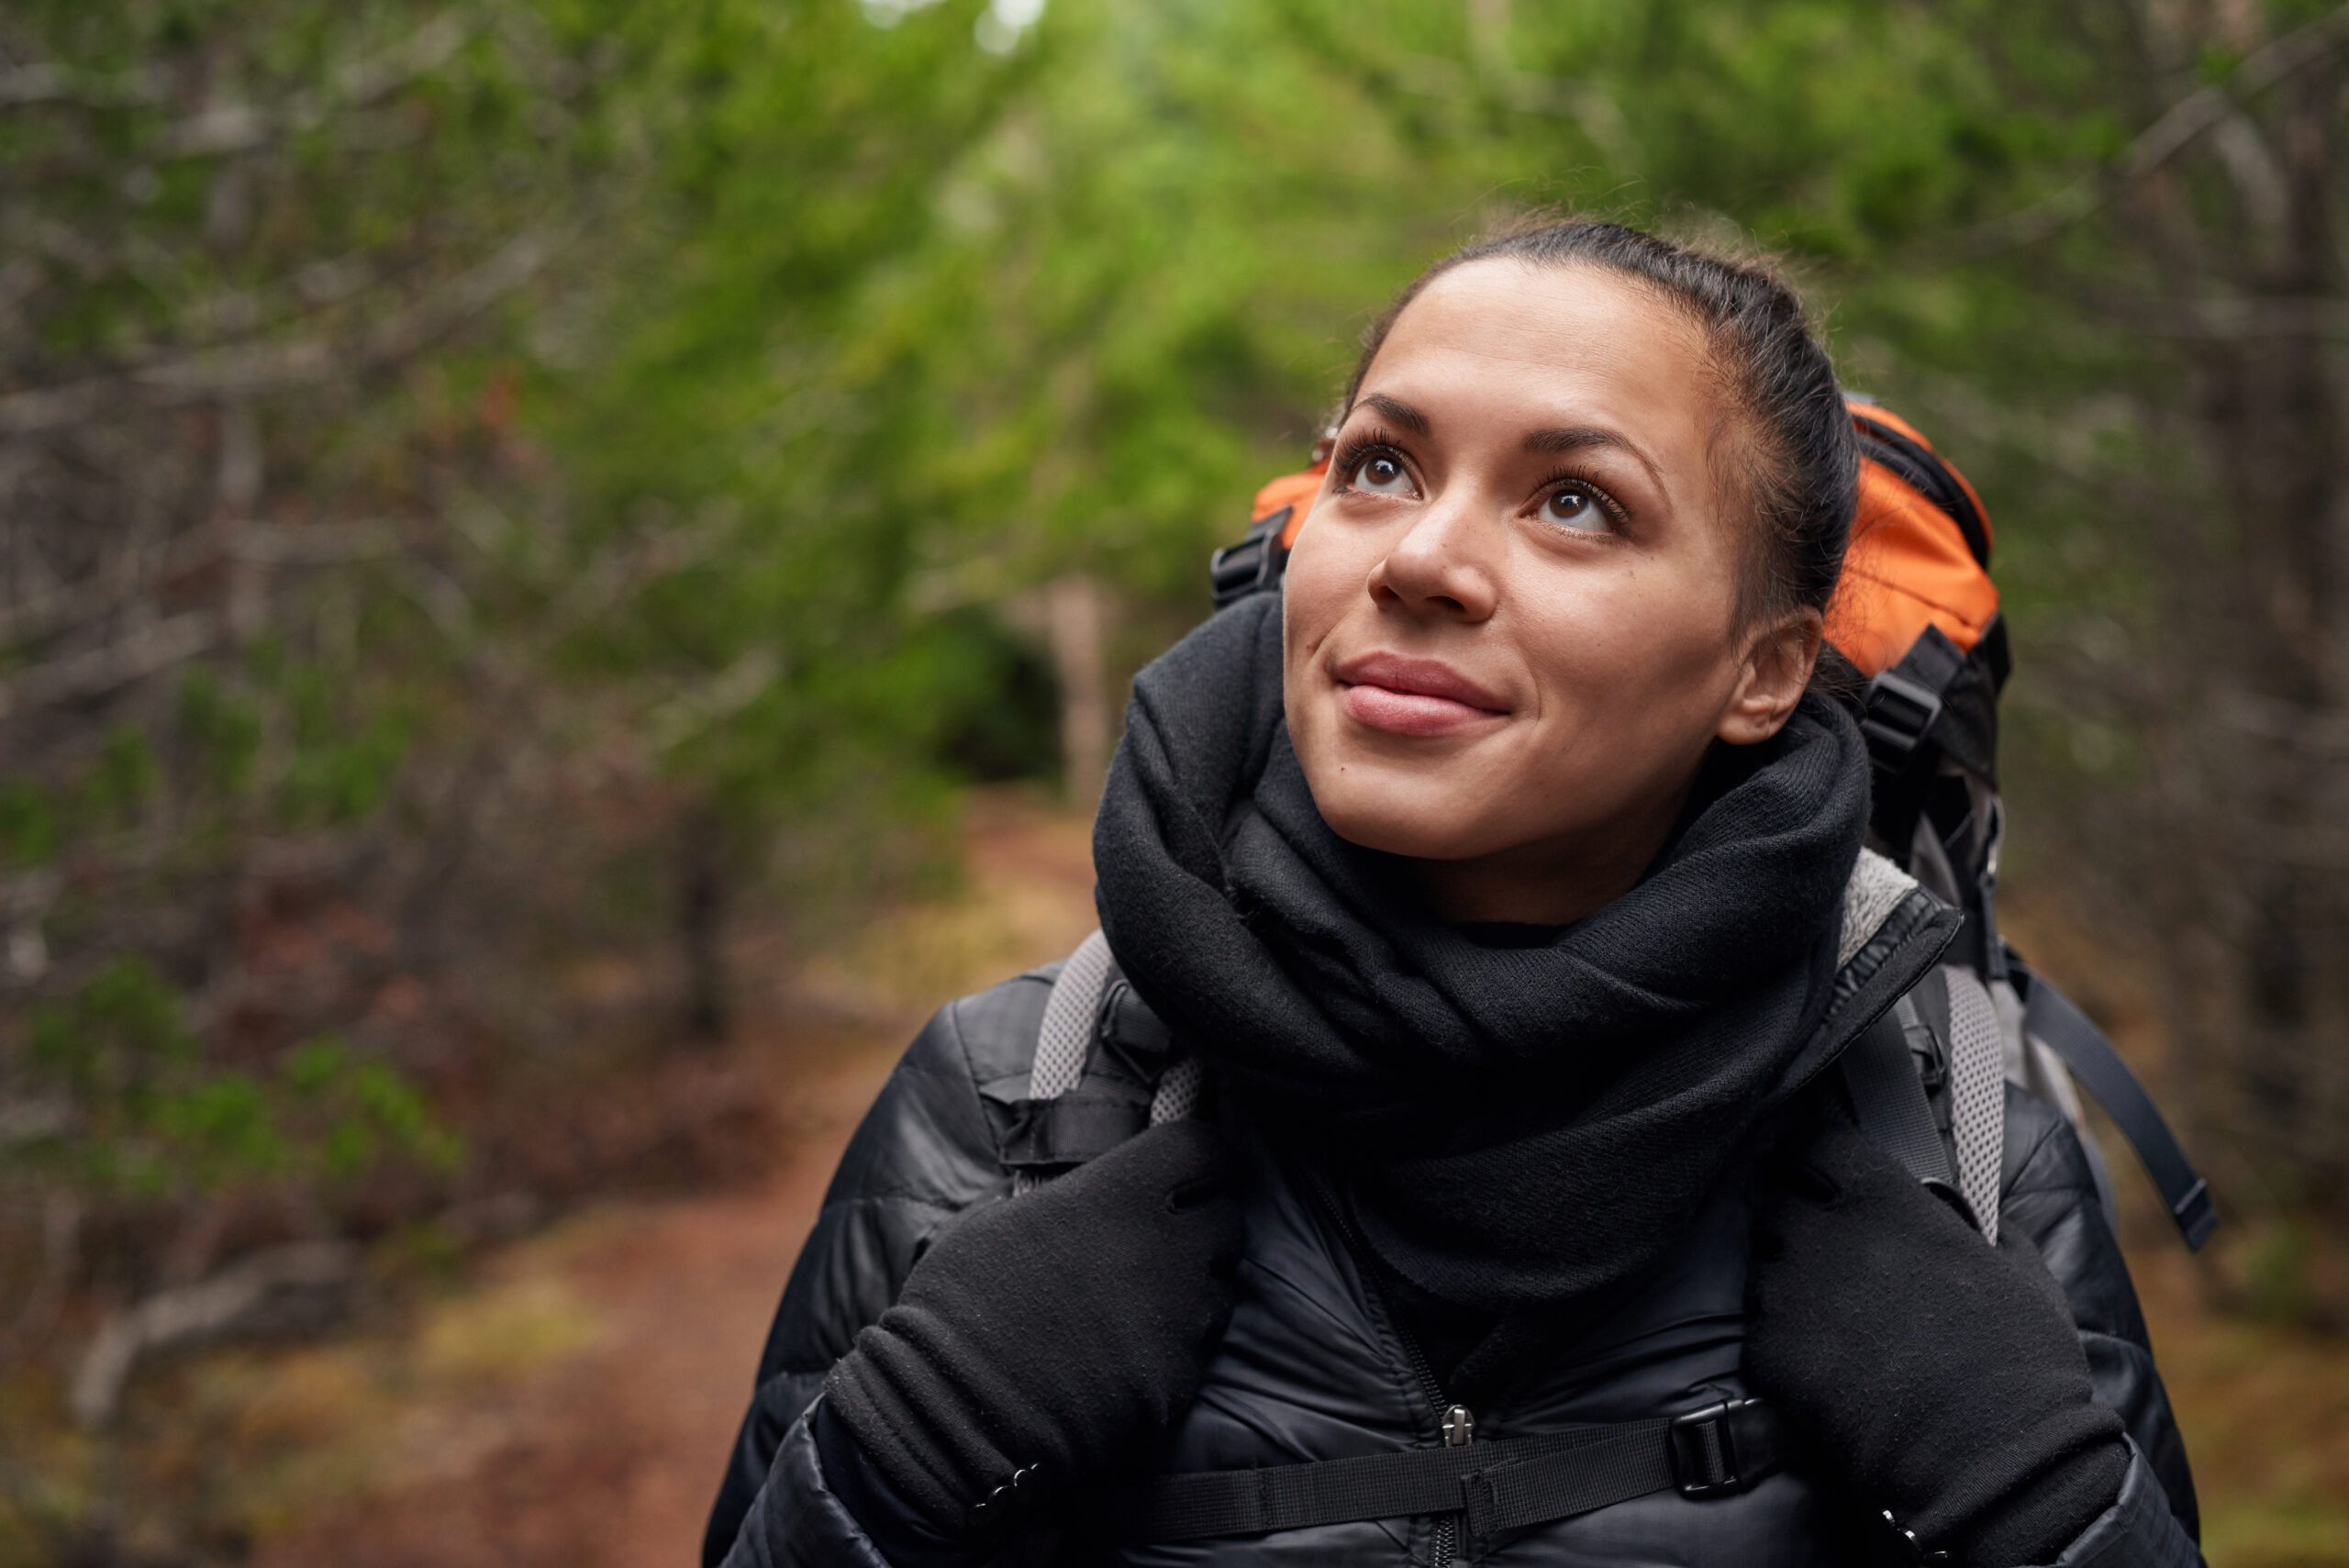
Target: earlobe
column 1777, row 669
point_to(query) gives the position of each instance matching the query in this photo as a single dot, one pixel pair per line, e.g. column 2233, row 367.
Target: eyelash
column 1353, row 453
column 1566, row 479
column 1374, row 442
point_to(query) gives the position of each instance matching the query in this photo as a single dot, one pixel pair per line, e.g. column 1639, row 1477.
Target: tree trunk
column 2273, row 417
column 1075, row 614
column 702, row 899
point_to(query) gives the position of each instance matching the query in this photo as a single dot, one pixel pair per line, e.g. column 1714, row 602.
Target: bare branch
column 717, row 699
column 247, row 370
column 28, row 86
column 424, row 51
column 2236, row 319
column 244, row 1299
column 2258, row 179
column 130, row 574
column 242, row 128
column 143, row 653
column 319, row 544
column 2186, row 121
column 231, row 128
column 2313, row 730
column 29, row 1121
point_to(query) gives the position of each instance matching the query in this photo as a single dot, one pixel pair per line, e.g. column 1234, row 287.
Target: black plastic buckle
column 1254, row 562
column 1723, row 1450
column 1900, row 714
column 2195, row 1216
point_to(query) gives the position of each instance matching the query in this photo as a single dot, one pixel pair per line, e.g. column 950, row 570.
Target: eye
column 1574, row 508
column 1382, row 473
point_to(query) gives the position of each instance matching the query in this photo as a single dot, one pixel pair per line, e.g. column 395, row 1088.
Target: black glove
column 1943, row 1377
column 1053, row 1337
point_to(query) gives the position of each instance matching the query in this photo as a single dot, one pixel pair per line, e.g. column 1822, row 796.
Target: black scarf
column 1520, row 1127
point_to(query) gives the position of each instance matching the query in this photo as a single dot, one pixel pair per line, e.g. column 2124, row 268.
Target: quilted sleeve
column 925, row 1152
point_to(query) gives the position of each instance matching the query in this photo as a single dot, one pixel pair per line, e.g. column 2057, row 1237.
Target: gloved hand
column 1943, row 1377
column 1053, row 1337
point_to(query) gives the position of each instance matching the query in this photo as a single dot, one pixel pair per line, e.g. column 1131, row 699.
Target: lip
column 1413, row 696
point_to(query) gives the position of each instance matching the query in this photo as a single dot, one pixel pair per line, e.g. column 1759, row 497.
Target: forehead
column 1536, row 346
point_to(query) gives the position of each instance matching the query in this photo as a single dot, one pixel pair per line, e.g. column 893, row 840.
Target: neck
column 1558, row 883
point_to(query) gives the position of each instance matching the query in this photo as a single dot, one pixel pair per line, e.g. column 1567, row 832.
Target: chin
column 1419, row 819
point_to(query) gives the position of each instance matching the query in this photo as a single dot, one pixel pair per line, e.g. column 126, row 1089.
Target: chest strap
column 1499, row 1486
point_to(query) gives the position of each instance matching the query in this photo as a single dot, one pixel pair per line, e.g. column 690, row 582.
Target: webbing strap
column 1507, row 1485
column 2050, row 1015
column 1889, row 1098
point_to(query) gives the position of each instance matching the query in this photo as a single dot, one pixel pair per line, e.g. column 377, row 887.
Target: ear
column 1777, row 666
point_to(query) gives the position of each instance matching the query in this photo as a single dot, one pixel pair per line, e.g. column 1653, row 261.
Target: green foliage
column 141, row 1116
column 852, row 331
column 27, row 825
column 223, row 731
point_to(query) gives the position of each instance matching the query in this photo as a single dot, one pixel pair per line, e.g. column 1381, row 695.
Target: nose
column 1442, row 565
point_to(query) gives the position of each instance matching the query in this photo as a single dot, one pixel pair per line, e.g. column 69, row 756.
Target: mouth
column 1413, row 696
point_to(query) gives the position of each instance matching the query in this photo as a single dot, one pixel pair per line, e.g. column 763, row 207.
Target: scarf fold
column 1517, row 1127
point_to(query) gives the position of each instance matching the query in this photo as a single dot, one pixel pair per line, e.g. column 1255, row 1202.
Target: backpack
column 1915, row 619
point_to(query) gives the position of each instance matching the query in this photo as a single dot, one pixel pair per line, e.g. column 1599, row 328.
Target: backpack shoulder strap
column 1978, row 1091
column 1927, row 1081
column 1065, row 1037
column 1887, row 1095
column 2051, row 1018
column 1066, row 1121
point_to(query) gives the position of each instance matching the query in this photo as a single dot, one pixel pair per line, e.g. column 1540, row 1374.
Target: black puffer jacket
column 1314, row 1366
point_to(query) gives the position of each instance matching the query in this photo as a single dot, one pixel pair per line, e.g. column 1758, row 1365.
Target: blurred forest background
column 514, row 513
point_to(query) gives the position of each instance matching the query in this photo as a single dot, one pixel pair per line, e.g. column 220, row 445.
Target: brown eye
column 1381, row 474
column 1575, row 508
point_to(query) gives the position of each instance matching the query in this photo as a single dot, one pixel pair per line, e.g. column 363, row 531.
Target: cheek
column 1650, row 659
column 1323, row 574
column 1320, row 583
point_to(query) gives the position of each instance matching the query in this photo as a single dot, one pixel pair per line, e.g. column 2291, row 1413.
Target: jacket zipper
column 1445, row 1537
column 1449, row 1417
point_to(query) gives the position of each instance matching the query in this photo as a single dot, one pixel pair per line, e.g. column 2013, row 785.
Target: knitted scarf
column 1517, row 1127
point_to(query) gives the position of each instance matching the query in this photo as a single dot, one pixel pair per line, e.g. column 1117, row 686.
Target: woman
column 1506, row 872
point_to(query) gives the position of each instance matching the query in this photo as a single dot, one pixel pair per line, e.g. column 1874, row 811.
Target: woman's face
column 1511, row 619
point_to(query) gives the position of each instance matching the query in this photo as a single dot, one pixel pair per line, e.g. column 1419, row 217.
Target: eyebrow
column 1568, row 439
column 1402, row 413
column 1576, row 437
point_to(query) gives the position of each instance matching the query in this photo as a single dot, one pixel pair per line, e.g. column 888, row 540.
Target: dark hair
column 1797, row 468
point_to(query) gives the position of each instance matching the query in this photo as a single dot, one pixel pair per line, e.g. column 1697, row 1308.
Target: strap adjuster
column 1900, row 713
column 2194, row 1213
column 1724, row 1449
column 1254, row 562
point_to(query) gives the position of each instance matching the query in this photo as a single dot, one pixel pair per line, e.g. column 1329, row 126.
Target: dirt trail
column 609, row 1455
column 574, row 1404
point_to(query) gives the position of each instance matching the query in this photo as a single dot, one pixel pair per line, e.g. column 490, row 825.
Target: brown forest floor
column 573, row 1402
column 570, row 1400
